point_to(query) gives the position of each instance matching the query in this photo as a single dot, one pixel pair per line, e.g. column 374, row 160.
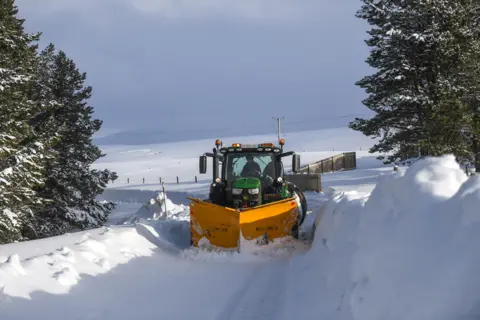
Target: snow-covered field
column 169, row 160
column 390, row 245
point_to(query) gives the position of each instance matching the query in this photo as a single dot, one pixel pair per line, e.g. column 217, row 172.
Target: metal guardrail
column 339, row 162
column 309, row 177
column 306, row 182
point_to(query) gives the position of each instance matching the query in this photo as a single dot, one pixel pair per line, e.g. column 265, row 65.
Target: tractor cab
column 248, row 175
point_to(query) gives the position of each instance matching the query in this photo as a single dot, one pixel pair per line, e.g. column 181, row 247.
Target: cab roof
column 262, row 147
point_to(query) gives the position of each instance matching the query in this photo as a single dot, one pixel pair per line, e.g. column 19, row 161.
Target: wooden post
column 160, row 180
column 128, row 180
column 177, row 180
column 164, row 199
column 143, row 180
column 196, row 179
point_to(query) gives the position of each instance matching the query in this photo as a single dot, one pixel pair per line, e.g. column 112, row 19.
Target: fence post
column 160, row 180
column 177, row 179
column 164, row 199
column 128, row 180
column 196, row 179
column 143, row 180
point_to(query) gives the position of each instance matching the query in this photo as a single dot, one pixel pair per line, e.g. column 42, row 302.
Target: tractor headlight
column 253, row 191
column 236, row 191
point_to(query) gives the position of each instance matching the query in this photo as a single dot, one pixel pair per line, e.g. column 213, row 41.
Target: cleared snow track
column 259, row 292
column 262, row 295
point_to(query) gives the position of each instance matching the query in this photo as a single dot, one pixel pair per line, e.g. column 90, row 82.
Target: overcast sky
column 206, row 68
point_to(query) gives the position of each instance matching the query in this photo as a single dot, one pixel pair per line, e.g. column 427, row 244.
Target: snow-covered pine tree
column 459, row 77
column 71, row 185
column 416, row 93
column 22, row 152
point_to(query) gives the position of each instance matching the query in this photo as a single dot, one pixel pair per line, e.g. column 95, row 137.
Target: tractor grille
column 246, row 199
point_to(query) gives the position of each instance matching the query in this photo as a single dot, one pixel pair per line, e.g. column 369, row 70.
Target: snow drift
column 160, row 207
column 409, row 250
column 58, row 263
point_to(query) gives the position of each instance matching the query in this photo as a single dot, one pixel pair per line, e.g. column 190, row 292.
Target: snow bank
column 163, row 223
column 160, row 207
column 409, row 250
column 61, row 266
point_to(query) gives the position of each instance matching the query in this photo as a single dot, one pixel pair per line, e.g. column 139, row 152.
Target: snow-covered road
column 88, row 277
column 262, row 295
column 154, row 287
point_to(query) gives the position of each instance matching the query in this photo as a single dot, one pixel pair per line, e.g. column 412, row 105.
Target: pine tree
column 23, row 152
column 71, row 185
column 418, row 92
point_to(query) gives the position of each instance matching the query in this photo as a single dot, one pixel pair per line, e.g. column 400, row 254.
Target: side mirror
column 295, row 162
column 203, row 164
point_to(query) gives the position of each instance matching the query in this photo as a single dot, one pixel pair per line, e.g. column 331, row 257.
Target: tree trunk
column 476, row 152
column 475, row 142
column 477, row 162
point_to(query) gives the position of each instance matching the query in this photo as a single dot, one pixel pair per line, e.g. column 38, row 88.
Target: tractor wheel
column 303, row 202
column 295, row 232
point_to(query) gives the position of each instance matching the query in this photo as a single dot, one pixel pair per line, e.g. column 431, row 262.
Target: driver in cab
column 251, row 168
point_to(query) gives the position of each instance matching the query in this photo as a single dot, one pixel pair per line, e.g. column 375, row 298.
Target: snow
column 180, row 159
column 61, row 262
column 159, row 207
column 11, row 216
column 389, row 245
column 405, row 251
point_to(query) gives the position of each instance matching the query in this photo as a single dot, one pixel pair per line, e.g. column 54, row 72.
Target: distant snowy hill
column 159, row 134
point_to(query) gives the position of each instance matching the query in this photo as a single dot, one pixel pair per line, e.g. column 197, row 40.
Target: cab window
column 236, row 162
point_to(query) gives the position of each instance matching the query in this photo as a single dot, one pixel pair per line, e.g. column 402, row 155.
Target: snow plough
column 249, row 198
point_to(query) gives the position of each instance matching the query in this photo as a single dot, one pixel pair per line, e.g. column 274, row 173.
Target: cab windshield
column 248, row 164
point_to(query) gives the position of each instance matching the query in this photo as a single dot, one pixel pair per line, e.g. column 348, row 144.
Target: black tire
column 303, row 201
column 294, row 189
column 295, row 232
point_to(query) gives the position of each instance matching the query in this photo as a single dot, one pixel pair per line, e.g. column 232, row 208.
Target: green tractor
column 249, row 196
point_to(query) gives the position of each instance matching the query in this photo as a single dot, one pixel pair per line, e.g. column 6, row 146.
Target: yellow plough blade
column 219, row 225
column 275, row 219
column 223, row 227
